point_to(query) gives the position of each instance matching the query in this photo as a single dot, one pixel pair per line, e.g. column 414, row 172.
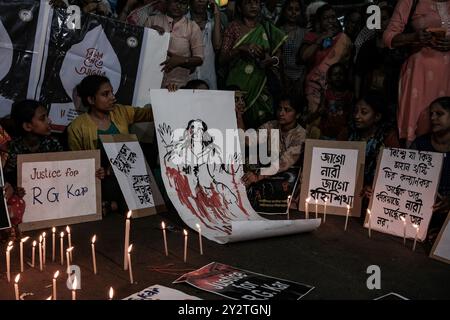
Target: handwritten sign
column 441, row 247
column 238, row 284
column 332, row 174
column 60, row 187
column 132, row 171
column 405, row 187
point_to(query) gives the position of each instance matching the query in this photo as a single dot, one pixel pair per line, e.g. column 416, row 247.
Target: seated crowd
column 292, row 67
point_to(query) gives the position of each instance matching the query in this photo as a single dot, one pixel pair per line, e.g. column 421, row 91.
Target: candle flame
column 368, row 211
column 53, row 229
column 129, row 214
column 24, row 239
column 62, row 234
column 69, row 249
column 111, row 293
column 326, row 199
column 34, row 243
column 94, row 238
column 163, row 225
column 44, row 234
column 416, row 226
column 348, row 207
column 40, row 238
column 56, row 274
column 403, row 218
column 74, row 283
column 130, row 248
column 10, row 243
column 289, row 197
column 198, row 226
column 307, row 199
column 16, row 280
column 49, row 298
column 68, row 229
column 185, row 232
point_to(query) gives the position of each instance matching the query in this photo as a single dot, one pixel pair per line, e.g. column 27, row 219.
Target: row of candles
column 69, row 253
column 307, row 203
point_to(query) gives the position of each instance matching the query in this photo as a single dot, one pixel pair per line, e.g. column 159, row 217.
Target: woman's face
column 365, row 117
column 286, row 114
column 292, row 12
column 104, row 98
column 329, row 22
column 251, row 8
column 440, row 119
column 40, row 123
column 177, row 8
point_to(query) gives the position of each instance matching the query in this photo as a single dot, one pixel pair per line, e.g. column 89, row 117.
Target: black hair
column 233, row 87
column 444, row 102
column 89, row 86
column 352, row 11
column 377, row 102
column 294, row 101
column 195, row 84
column 301, row 22
column 321, row 11
column 23, row 112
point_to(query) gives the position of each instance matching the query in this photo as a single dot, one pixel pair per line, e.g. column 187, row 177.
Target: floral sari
column 251, row 78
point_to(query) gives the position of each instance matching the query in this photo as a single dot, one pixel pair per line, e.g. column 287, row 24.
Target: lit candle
column 69, row 238
column 370, row 222
column 44, row 250
column 61, row 245
column 22, row 241
column 49, row 298
column 316, row 208
column 416, row 226
column 16, row 286
column 74, row 288
column 8, row 262
column 325, row 210
column 185, row 244
column 288, row 205
column 200, row 238
column 163, row 226
column 126, row 240
column 33, row 253
column 68, row 250
column 129, row 263
column 94, row 262
column 404, row 229
column 346, row 217
column 53, row 243
column 307, row 208
column 40, row 252
column 111, row 293
column 55, row 276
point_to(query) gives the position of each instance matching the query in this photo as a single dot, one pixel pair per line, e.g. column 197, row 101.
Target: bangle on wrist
column 277, row 63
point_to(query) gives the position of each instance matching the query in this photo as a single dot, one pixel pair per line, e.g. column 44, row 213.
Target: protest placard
column 441, row 246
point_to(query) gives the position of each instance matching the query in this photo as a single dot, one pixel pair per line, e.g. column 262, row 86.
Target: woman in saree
column 322, row 48
column 251, row 47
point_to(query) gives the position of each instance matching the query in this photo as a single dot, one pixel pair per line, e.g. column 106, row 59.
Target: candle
column 61, row 245
column 163, row 226
column 346, row 217
column 370, row 222
column 8, row 265
column 69, row 238
column 33, row 254
column 129, row 263
column 94, row 262
column 68, row 250
column 111, row 293
column 126, row 240
column 55, row 275
column 49, row 298
column 74, row 288
column 288, row 205
column 53, row 243
column 200, row 238
column 416, row 226
column 16, row 286
column 44, row 250
column 404, row 230
column 325, row 210
column 40, row 252
column 307, row 208
column 22, row 241
column 316, row 208
column 185, row 244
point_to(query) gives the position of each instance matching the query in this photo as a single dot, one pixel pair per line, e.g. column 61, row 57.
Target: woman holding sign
column 105, row 117
column 438, row 141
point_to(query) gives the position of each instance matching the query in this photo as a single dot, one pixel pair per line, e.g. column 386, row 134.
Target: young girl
column 104, row 116
column 33, row 126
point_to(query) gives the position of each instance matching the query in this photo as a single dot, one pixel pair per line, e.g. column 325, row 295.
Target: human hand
column 366, row 192
column 250, row 178
column 159, row 29
column 100, row 173
column 441, row 44
column 442, row 204
column 215, row 8
column 20, row 192
column 172, row 62
column 423, row 37
column 8, row 190
column 172, row 87
column 252, row 50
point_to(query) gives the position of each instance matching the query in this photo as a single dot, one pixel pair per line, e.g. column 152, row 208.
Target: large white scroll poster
column 201, row 167
column 405, row 187
column 60, row 188
column 132, row 172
